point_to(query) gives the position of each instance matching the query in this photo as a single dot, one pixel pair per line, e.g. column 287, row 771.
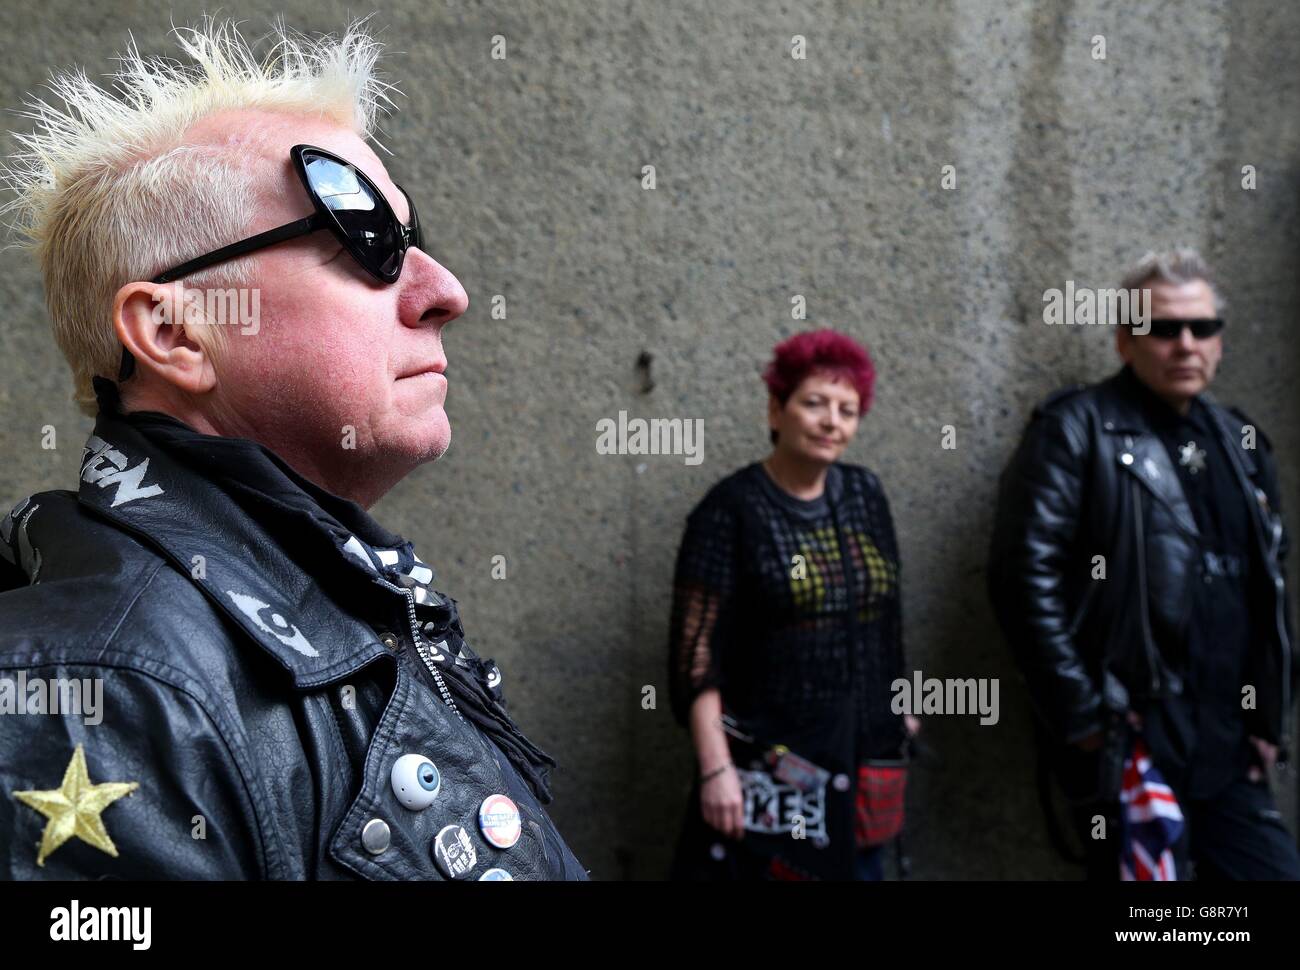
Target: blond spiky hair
column 106, row 192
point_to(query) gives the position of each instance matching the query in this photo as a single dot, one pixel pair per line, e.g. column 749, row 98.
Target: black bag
column 798, row 807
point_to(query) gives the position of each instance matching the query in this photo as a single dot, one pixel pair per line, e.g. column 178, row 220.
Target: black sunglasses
column 1202, row 329
column 347, row 203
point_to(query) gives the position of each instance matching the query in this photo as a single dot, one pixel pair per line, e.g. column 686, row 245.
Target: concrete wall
column 775, row 177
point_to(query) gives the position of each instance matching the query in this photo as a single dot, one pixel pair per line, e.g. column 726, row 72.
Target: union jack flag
column 1150, row 823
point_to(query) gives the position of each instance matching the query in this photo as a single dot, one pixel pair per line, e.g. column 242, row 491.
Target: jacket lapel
column 1146, row 459
column 1141, row 454
column 127, row 479
column 1230, row 437
column 1247, row 466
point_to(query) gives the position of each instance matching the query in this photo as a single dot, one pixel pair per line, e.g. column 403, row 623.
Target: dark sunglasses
column 347, row 203
column 1202, row 329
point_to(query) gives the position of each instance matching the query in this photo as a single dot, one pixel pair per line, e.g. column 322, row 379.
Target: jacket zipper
column 1279, row 617
column 1082, row 609
column 1275, row 573
column 1142, row 588
column 421, row 648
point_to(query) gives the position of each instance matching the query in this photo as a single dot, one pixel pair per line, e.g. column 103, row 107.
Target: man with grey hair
column 1136, row 569
column 285, row 693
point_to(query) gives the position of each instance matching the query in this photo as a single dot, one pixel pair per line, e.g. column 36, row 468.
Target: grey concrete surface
column 775, row 177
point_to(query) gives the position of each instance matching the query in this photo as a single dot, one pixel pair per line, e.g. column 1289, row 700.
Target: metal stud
column 375, row 836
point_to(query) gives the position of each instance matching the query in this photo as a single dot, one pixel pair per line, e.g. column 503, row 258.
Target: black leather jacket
column 259, row 717
column 1091, row 478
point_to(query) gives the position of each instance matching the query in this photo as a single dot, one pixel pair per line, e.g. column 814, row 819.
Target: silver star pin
column 1191, row 457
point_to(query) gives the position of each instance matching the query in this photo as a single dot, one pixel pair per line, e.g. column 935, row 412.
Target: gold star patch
column 74, row 808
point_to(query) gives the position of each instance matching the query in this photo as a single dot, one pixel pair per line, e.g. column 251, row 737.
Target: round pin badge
column 453, row 851
column 416, row 781
column 496, row 875
column 499, row 821
column 840, row 782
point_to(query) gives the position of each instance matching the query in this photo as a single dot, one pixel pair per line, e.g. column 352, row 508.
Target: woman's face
column 818, row 420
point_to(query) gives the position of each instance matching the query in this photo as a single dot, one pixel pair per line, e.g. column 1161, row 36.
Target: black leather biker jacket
column 1091, row 478
column 258, row 713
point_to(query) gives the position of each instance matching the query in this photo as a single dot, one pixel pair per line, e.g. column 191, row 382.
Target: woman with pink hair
column 786, row 634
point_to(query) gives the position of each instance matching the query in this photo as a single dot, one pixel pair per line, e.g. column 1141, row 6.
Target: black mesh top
column 761, row 605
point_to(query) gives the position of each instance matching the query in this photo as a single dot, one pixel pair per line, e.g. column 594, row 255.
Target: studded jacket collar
column 1091, row 483
column 244, row 690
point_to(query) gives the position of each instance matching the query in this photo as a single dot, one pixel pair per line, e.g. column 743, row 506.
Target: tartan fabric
column 879, row 803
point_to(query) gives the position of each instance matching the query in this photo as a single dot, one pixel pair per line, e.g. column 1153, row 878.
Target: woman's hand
column 722, row 804
column 913, row 724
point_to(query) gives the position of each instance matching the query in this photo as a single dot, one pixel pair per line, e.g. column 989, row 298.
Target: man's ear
column 152, row 320
column 1123, row 343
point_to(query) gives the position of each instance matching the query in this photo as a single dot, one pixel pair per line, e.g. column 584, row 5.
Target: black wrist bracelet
column 714, row 773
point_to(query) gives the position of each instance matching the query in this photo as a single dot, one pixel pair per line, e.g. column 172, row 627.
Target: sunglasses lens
column 362, row 213
column 1173, row 329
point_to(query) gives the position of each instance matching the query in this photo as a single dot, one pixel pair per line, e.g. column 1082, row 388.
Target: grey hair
column 1175, row 266
column 106, row 191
